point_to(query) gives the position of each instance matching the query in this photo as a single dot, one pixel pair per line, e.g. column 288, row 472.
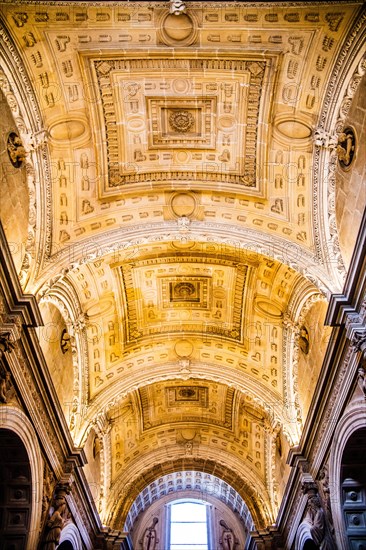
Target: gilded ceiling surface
column 183, row 235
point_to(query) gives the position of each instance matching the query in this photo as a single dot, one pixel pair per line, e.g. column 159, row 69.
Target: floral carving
column 181, row 121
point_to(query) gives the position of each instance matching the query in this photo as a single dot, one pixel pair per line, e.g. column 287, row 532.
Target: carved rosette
column 181, row 121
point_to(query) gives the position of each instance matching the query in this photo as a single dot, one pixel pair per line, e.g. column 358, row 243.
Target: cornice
column 343, row 306
column 193, row 4
column 17, row 302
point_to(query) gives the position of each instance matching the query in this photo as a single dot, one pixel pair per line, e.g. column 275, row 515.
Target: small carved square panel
column 183, row 291
column 181, row 122
column 195, row 395
column 176, row 122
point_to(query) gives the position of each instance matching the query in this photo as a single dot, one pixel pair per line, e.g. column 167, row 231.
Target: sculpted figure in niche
column 65, row 341
column 346, row 147
column 57, row 520
column 16, row 151
column 313, row 527
column 315, row 518
column 304, row 340
column 228, row 540
column 149, row 539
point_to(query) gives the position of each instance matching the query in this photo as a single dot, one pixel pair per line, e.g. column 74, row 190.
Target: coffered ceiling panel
column 190, row 402
column 181, row 119
column 190, row 294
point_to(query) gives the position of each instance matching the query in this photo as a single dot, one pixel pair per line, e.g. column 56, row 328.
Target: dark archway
column 310, row 545
column 353, row 483
column 66, row 545
column 15, row 492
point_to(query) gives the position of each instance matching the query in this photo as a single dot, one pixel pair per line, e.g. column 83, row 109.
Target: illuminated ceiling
column 184, row 235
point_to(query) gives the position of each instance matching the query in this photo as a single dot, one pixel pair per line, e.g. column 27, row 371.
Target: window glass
column 188, row 526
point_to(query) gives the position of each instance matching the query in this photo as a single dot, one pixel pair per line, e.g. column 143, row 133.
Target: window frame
column 208, row 508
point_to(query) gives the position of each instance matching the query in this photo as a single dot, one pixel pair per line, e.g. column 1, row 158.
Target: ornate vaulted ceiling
column 182, row 231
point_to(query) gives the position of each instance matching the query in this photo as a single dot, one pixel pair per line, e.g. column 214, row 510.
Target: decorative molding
column 16, row 84
column 254, row 70
column 250, row 488
column 177, row 7
column 326, row 141
column 241, row 238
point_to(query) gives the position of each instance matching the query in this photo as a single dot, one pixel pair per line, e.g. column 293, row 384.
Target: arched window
column 188, row 525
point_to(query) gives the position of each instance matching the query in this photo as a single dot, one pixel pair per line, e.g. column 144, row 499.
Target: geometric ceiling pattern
column 181, row 229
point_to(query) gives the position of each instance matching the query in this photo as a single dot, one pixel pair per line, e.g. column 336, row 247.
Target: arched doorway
column 70, row 538
column 353, row 484
column 66, row 545
column 15, row 491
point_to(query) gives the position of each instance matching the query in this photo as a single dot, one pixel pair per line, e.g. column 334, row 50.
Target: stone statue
column 48, row 481
column 57, row 520
column 346, row 147
column 315, row 519
column 4, row 379
column 313, row 527
column 15, row 150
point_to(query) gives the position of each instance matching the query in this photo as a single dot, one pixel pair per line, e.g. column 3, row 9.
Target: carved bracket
column 177, row 7
column 6, row 343
column 362, row 380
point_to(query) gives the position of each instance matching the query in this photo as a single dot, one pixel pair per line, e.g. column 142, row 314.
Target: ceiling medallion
column 178, row 31
column 181, row 121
